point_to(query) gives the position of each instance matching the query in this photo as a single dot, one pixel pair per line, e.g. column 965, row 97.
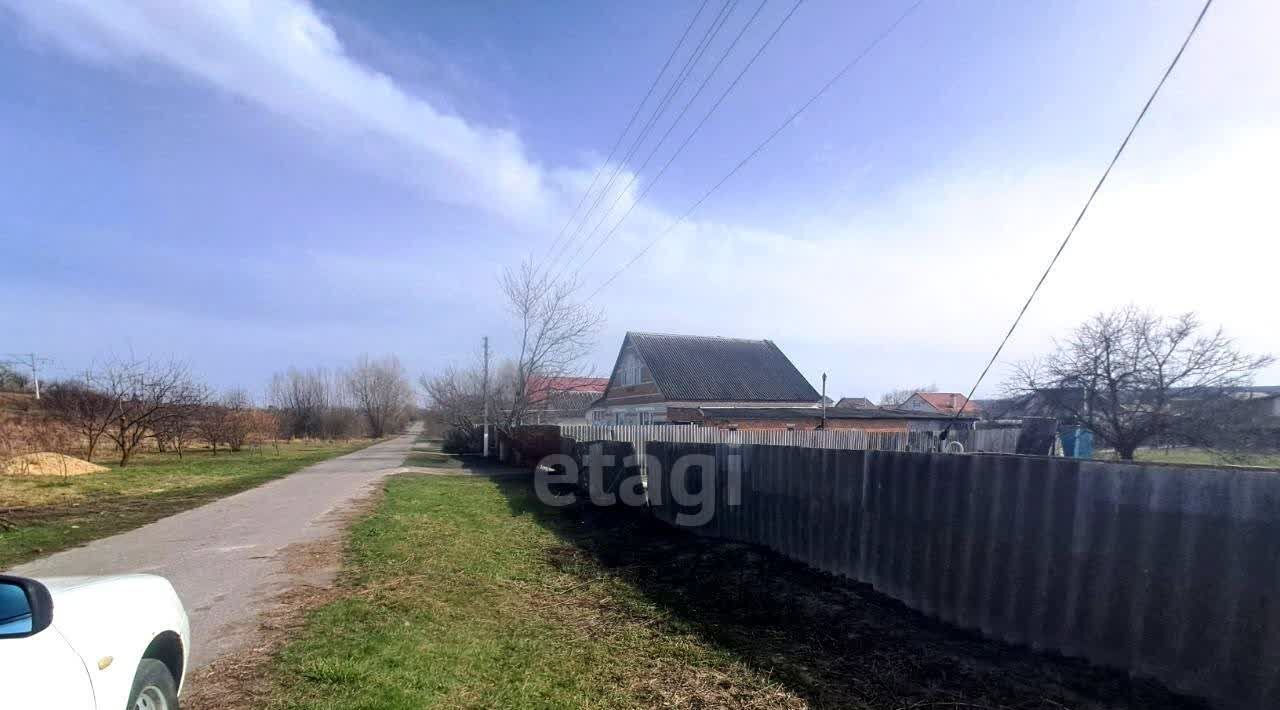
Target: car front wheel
column 153, row 687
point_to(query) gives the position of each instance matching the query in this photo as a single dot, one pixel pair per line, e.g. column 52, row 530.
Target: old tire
column 153, row 687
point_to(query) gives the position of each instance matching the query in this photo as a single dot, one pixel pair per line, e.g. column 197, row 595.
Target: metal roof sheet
column 702, row 368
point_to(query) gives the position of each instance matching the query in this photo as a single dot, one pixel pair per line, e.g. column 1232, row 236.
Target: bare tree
column 210, row 425
column 456, row 398
column 555, row 334
column 896, row 398
column 143, row 394
column 381, row 393
column 263, row 427
column 341, row 419
column 1133, row 378
column 180, row 425
column 13, row 380
column 341, row 422
column 86, row 410
column 301, row 398
column 237, row 418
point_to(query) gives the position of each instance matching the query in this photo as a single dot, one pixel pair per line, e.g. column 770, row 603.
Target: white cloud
column 939, row 268
column 944, row 266
column 282, row 55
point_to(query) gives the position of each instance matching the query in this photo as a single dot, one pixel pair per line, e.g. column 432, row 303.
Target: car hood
column 63, row 586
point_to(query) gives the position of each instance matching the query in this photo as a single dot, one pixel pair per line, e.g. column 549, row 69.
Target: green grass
column 43, row 514
column 430, row 459
column 426, row 453
column 1205, row 457
column 461, row 599
column 464, row 592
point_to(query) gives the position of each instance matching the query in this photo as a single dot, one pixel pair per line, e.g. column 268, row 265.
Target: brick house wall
column 883, row 425
column 806, row 420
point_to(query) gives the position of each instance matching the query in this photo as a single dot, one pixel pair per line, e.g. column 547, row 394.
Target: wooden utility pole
column 484, row 390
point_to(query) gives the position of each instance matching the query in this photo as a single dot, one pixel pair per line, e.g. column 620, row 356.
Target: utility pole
column 484, row 389
column 33, row 362
column 824, row 401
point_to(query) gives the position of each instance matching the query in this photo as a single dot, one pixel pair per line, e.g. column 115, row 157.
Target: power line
column 761, row 146
column 680, row 149
column 688, row 104
column 717, row 23
column 1114, row 159
column 634, row 114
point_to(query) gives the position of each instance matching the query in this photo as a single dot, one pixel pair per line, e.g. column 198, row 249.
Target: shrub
column 461, row 441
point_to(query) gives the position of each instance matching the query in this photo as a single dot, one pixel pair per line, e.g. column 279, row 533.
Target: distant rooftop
column 855, row 403
column 833, row 413
column 542, row 388
column 949, row 402
column 700, row 368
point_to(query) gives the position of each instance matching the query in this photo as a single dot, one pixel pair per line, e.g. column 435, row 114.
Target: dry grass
column 238, row 680
column 47, row 463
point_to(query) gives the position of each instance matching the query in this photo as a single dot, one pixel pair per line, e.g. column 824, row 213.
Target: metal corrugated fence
column 1172, row 572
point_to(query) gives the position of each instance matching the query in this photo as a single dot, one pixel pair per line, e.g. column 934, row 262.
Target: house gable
column 656, row 367
column 941, row 402
column 916, row 403
column 631, row 381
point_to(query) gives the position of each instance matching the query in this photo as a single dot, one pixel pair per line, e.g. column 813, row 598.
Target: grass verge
column 44, row 514
column 468, row 593
column 1205, row 457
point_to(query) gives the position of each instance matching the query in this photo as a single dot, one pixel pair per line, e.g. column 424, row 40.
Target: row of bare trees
column 126, row 402
column 12, row 379
column 373, row 397
column 234, row 422
column 129, row 402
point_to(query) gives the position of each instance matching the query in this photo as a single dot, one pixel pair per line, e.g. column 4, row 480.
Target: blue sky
column 246, row 186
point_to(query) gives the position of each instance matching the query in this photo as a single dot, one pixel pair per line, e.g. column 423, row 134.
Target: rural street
column 224, row 558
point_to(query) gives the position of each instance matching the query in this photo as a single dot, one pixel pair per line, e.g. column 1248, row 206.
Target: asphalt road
column 225, row 558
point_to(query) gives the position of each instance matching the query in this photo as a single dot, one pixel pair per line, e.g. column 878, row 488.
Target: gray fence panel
column 1167, row 571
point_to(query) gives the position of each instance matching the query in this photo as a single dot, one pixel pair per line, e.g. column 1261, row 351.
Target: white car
column 92, row 643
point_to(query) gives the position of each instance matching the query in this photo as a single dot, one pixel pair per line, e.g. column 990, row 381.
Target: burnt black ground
column 832, row 641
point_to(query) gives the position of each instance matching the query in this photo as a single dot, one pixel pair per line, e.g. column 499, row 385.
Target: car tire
column 153, row 687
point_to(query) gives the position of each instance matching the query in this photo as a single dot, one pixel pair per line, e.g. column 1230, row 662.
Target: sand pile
column 48, row 464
